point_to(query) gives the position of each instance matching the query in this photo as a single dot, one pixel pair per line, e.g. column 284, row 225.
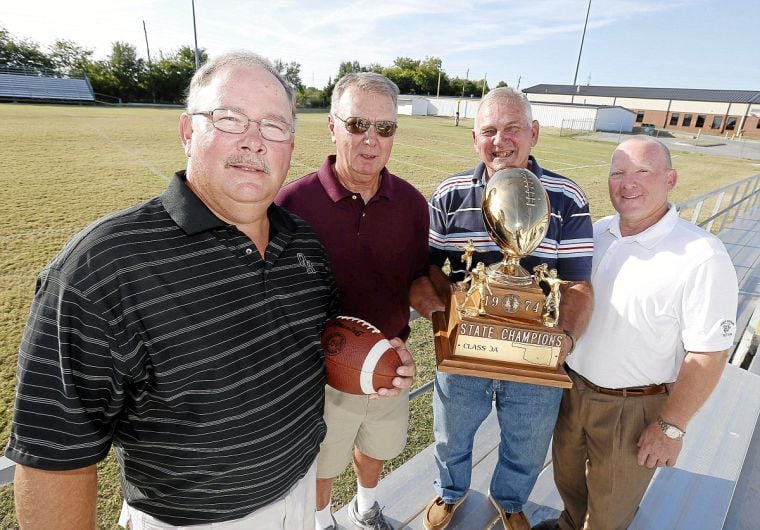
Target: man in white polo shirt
column 665, row 298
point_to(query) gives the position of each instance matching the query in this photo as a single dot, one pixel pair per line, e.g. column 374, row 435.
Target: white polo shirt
column 657, row 294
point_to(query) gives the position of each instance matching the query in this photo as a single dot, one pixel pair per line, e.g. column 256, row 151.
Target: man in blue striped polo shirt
column 503, row 135
column 185, row 333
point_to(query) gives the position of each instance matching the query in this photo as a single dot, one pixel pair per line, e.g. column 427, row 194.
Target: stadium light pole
column 150, row 66
column 583, row 37
column 195, row 36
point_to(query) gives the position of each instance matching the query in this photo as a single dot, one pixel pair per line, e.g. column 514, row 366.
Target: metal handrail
column 41, row 71
column 744, row 195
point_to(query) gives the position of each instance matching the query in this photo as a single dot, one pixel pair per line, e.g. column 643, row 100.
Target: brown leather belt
column 633, row 391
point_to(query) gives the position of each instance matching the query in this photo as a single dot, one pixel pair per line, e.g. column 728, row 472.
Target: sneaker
column 372, row 520
column 511, row 521
column 548, row 524
column 438, row 514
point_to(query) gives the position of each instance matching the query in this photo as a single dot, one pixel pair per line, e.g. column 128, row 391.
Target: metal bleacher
column 20, row 84
column 716, row 481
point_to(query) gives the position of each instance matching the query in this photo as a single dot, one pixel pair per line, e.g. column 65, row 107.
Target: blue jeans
column 526, row 415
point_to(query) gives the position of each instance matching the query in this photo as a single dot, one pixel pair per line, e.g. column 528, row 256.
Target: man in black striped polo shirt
column 185, row 332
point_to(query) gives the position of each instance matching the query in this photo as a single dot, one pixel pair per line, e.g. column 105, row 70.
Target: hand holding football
column 358, row 358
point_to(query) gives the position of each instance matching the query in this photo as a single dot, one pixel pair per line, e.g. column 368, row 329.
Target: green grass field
column 65, row 166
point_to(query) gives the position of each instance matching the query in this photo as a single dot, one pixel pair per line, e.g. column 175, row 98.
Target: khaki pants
column 595, row 456
column 294, row 511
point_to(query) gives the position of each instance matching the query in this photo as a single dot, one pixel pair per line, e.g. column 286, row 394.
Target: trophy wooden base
column 495, row 347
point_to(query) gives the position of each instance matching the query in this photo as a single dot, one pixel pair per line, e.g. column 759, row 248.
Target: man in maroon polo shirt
column 375, row 228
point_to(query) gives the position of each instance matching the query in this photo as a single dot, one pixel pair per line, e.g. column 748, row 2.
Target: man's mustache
column 254, row 162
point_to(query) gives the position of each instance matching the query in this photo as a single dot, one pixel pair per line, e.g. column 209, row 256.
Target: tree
column 126, row 66
column 466, row 87
column 348, row 67
column 292, row 72
column 501, row 84
column 68, row 57
column 121, row 75
column 311, row 97
column 21, row 53
column 171, row 74
column 426, row 75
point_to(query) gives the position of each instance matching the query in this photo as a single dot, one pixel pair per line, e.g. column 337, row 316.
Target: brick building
column 717, row 112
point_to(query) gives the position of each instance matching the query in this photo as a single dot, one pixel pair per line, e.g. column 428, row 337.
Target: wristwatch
column 670, row 430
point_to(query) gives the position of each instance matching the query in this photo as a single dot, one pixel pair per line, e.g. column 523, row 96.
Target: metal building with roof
column 723, row 112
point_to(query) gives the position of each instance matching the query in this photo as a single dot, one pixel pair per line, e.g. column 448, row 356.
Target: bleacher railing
column 743, row 195
column 40, row 71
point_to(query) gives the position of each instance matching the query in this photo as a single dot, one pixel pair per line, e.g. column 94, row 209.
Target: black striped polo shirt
column 162, row 330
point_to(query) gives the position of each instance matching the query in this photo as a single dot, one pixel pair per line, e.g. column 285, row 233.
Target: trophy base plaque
column 496, row 347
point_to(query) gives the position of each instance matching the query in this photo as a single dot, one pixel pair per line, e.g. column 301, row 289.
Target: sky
column 650, row 43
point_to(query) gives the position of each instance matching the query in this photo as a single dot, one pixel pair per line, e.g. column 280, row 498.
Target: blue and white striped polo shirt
column 455, row 217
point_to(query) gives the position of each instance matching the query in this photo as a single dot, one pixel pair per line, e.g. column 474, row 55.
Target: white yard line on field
column 132, row 154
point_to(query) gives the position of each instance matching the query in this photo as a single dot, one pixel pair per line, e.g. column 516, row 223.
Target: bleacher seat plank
column 696, row 493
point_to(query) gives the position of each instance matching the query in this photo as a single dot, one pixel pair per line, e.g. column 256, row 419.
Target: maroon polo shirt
column 376, row 249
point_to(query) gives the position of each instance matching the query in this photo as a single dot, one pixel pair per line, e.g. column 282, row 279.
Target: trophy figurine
column 504, row 325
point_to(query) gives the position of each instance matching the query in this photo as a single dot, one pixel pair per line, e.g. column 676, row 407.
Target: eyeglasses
column 232, row 121
column 354, row 125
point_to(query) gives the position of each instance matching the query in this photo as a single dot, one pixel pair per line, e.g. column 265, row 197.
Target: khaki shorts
column 377, row 427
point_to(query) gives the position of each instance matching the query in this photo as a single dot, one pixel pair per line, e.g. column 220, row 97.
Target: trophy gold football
column 499, row 323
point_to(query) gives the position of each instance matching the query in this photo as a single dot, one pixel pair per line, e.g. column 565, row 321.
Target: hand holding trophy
column 503, row 326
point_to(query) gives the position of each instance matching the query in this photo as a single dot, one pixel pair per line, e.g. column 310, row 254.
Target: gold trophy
column 498, row 322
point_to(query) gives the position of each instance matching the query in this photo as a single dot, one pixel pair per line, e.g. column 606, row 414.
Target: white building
column 577, row 116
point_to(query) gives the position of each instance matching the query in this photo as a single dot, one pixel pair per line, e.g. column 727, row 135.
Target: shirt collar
column 652, row 235
column 193, row 216
column 337, row 191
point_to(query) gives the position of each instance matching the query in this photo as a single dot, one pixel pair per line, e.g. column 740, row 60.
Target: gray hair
column 206, row 73
column 507, row 94
column 654, row 142
column 366, row 81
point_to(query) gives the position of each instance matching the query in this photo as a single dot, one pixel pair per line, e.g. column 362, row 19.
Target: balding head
column 654, row 145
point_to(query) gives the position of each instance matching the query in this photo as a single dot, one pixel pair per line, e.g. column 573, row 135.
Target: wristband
column 572, row 340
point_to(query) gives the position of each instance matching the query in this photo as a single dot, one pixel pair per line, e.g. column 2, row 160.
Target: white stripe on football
column 358, row 357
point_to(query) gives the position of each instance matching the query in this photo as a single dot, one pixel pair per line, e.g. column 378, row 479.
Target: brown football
column 358, row 358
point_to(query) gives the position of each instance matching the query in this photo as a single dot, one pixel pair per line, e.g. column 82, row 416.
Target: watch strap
column 669, row 427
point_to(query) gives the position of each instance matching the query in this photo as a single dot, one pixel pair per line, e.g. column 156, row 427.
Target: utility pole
column 483, row 92
column 583, row 37
column 438, row 92
column 195, row 36
column 150, row 66
column 518, row 82
column 466, row 77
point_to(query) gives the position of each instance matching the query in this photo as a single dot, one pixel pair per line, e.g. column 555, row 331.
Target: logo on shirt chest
column 306, row 264
column 728, row 327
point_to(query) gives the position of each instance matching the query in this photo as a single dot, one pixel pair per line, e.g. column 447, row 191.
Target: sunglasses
column 354, row 125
